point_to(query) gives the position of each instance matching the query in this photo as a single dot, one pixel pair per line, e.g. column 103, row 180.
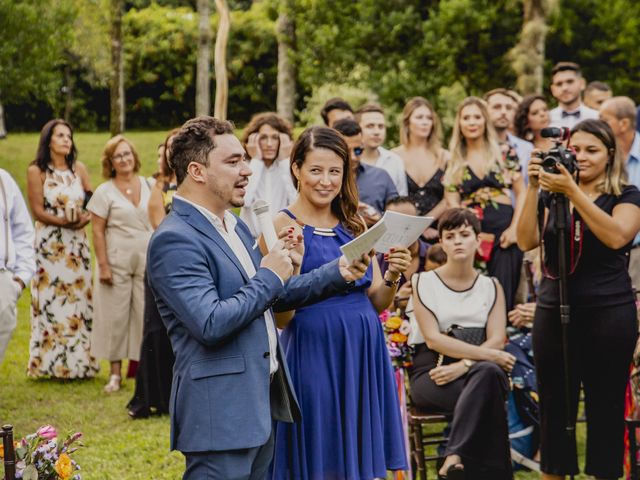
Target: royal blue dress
column 341, row 372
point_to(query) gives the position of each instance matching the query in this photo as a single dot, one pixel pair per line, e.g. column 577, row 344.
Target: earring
column 298, row 188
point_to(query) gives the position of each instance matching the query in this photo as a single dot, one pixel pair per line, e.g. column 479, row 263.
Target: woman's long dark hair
column 345, row 205
column 43, row 155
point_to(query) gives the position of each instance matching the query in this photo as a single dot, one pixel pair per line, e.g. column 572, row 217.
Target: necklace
column 128, row 191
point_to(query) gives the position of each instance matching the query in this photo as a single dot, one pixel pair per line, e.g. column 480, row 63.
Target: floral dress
column 61, row 310
column 479, row 194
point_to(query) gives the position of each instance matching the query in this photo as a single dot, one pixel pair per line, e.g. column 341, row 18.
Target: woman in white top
column 471, row 384
column 121, row 232
column 267, row 139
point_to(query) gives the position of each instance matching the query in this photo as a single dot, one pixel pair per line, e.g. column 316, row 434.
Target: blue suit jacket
column 222, row 397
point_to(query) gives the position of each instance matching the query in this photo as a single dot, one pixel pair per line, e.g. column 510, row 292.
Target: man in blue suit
column 215, row 292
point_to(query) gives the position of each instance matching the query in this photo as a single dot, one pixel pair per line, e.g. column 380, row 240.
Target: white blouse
column 466, row 308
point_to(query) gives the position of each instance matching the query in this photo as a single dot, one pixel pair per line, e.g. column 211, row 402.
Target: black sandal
column 455, row 472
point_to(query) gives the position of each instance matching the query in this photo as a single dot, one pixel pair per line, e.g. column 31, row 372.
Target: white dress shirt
column 21, row 260
column 560, row 118
column 272, row 184
column 238, row 248
column 393, row 164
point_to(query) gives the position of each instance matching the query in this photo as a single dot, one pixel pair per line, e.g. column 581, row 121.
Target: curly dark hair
column 521, row 118
column 272, row 119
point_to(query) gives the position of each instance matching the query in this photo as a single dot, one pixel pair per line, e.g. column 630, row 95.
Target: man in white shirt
column 567, row 85
column 596, row 94
column 502, row 105
column 374, row 131
column 17, row 256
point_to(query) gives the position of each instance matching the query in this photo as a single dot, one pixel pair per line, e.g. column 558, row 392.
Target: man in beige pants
column 17, row 256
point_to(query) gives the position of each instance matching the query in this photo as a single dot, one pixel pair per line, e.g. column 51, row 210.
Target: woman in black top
column 605, row 214
column 424, row 159
column 480, row 177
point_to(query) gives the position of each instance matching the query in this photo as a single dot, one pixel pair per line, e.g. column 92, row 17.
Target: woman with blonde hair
column 478, row 177
column 424, row 158
column 604, row 215
column 121, row 232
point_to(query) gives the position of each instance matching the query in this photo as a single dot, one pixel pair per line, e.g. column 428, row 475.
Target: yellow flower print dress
column 61, row 309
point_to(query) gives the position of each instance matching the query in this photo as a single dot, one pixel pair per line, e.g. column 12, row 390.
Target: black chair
column 9, row 452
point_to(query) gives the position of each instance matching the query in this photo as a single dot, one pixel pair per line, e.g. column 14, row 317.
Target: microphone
column 263, row 215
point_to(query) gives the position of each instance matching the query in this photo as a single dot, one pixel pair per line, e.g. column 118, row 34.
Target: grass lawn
column 115, row 446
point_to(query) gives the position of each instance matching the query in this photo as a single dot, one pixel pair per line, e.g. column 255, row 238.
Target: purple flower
column 47, row 432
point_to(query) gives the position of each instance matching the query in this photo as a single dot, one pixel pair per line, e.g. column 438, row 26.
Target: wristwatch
column 468, row 363
column 392, row 283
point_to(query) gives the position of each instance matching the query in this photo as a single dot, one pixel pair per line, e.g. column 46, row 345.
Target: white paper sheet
column 392, row 230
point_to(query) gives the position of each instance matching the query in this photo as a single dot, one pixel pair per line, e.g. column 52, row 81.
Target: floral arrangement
column 44, row 456
column 396, row 330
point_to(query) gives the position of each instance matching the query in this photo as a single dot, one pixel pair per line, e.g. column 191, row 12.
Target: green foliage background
column 391, row 49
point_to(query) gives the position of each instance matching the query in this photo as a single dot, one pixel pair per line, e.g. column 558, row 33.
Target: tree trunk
column 3, row 128
column 203, row 96
column 68, row 92
column 116, row 83
column 527, row 57
column 220, row 60
column 285, row 30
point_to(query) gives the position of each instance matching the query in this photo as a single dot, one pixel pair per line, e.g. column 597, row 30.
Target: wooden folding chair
column 9, row 453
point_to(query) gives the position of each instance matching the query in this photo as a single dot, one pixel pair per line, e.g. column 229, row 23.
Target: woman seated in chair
column 459, row 367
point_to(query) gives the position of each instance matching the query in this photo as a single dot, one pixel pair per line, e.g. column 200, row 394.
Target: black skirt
column 155, row 370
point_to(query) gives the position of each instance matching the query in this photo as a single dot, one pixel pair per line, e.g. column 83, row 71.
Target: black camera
column 558, row 155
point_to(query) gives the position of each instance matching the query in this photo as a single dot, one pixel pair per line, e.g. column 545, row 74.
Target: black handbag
column 472, row 335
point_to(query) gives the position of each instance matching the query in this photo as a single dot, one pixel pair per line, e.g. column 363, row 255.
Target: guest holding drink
column 61, row 310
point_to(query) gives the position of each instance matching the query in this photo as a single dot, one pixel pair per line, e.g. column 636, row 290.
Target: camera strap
column 575, row 235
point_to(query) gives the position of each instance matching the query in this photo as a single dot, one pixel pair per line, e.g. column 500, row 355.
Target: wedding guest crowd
column 326, row 187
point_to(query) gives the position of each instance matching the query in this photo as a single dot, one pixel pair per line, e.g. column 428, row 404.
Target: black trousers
column 479, row 430
column 601, row 345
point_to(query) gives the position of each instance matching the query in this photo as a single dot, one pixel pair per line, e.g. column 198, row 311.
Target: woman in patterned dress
column 481, row 177
column 61, row 309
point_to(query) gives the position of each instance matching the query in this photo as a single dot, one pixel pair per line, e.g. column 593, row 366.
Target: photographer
column 604, row 218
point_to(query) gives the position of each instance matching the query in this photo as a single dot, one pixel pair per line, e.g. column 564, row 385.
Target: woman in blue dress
column 351, row 426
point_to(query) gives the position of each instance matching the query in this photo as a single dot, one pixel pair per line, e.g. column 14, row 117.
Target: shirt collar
column 229, row 219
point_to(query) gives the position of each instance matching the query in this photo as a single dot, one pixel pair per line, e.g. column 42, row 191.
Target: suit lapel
column 198, row 221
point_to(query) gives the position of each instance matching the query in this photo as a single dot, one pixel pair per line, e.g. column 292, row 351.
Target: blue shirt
column 633, row 170
column 375, row 186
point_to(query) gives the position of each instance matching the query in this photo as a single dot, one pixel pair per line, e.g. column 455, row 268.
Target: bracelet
column 392, row 283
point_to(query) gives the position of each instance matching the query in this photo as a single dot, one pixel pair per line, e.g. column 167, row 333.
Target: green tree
column 602, row 40
column 33, row 37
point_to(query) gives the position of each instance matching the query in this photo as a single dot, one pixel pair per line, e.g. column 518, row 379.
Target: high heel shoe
column 114, row 384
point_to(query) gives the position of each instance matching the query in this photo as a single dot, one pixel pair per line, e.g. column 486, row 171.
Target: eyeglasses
column 357, row 151
column 122, row 156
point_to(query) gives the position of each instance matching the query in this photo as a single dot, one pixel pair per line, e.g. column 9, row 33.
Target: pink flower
column 47, row 432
